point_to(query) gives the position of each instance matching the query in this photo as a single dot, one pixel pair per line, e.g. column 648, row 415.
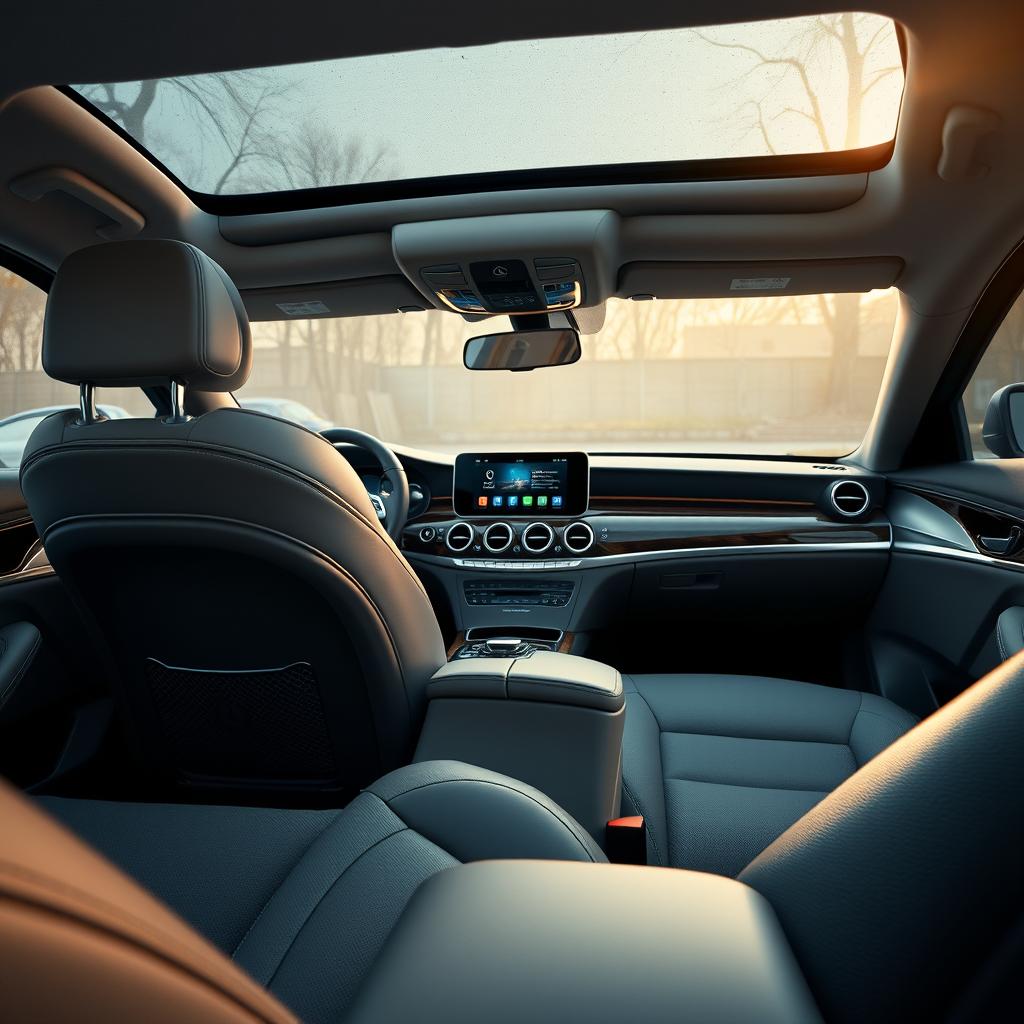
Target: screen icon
column 498, row 501
column 482, row 501
column 556, row 501
column 542, row 500
column 527, row 500
column 513, row 500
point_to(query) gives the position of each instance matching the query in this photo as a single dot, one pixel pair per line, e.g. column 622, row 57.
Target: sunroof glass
column 793, row 86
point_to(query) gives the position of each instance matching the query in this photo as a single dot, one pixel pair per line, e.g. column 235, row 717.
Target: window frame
column 820, row 164
column 942, row 434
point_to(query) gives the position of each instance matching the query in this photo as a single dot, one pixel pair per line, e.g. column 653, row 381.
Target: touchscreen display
column 522, row 485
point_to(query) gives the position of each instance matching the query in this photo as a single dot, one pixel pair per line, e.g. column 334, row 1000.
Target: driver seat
column 260, row 628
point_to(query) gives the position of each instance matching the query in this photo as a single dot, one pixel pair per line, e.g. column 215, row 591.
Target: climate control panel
column 524, row 540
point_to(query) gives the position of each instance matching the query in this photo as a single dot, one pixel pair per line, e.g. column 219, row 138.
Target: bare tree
column 237, row 111
column 850, row 38
column 21, row 322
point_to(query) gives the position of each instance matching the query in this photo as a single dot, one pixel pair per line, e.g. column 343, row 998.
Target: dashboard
column 639, row 539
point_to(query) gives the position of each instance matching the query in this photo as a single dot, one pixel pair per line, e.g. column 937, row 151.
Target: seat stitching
column 291, row 871
column 313, row 909
column 252, row 459
column 742, row 785
column 640, row 807
column 8, row 691
column 758, row 739
column 661, row 772
column 485, row 782
column 882, row 718
column 853, row 721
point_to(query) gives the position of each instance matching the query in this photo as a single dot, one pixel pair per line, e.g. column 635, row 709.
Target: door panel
column 932, row 631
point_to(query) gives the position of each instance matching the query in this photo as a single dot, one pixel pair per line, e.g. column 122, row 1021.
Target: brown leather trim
column 76, row 910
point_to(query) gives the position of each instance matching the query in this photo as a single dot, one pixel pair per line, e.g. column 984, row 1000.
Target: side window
column 1002, row 364
column 26, row 393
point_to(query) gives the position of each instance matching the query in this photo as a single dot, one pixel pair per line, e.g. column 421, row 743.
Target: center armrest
column 551, row 720
column 544, row 676
column 513, row 941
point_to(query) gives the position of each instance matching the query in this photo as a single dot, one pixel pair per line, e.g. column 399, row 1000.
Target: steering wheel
column 392, row 509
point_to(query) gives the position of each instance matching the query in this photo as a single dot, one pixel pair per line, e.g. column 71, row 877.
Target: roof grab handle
column 963, row 133
column 122, row 220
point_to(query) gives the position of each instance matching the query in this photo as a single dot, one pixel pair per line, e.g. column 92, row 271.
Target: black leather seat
column 302, row 901
column 720, row 766
column 261, row 628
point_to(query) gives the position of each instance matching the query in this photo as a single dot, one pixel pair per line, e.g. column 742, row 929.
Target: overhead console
column 517, row 264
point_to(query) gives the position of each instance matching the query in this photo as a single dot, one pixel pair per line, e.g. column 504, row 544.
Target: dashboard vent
column 849, row 497
column 460, row 536
column 537, row 537
column 578, row 537
column 497, row 537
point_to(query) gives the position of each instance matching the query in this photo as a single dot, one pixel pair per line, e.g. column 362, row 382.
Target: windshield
column 791, row 86
column 794, row 375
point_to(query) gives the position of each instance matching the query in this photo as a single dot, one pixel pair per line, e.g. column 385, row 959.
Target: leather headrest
column 131, row 314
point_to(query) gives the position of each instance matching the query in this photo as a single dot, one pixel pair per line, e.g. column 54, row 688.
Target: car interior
column 512, row 518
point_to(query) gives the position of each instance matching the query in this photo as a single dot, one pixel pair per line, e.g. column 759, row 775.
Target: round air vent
column 497, row 537
column 849, row 497
column 537, row 537
column 460, row 536
column 578, row 537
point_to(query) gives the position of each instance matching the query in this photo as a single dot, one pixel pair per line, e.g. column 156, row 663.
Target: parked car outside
column 17, row 429
column 286, row 409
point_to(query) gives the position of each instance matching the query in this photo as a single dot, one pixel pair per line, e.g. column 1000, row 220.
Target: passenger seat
column 303, row 900
column 720, row 766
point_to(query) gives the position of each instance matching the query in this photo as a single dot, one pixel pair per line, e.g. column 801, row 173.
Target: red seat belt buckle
column 625, row 840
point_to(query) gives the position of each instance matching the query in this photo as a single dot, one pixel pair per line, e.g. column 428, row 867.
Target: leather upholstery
column 143, row 312
column 551, row 943
column 233, row 542
column 719, row 766
column 1010, row 632
column 897, row 887
column 79, row 940
column 19, row 644
column 303, row 900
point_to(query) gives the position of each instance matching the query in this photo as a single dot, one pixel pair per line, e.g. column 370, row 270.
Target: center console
column 551, row 720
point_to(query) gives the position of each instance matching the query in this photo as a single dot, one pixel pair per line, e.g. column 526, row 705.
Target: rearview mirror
column 522, row 350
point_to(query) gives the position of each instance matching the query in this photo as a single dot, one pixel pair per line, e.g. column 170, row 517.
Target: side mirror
column 1003, row 429
column 522, row 350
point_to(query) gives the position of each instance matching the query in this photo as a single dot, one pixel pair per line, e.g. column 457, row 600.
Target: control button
column 427, row 534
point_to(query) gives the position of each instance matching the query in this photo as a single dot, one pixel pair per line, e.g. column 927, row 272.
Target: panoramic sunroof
column 806, row 85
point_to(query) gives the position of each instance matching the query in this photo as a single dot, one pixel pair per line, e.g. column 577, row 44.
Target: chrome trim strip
column 489, row 565
column 26, row 574
column 910, row 547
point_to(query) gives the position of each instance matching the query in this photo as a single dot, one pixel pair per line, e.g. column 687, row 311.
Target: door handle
column 1002, row 545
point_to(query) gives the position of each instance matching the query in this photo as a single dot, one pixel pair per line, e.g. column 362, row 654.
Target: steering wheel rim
column 396, row 504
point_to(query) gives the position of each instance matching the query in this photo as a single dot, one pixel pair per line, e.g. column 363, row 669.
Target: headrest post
column 87, row 403
column 177, row 402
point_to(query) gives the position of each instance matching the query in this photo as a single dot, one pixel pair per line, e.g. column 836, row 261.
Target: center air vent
column 849, row 497
column 578, row 537
column 537, row 537
column 460, row 536
column 497, row 537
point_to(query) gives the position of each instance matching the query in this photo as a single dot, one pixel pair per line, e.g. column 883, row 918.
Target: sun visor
column 366, row 296
column 685, row 280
